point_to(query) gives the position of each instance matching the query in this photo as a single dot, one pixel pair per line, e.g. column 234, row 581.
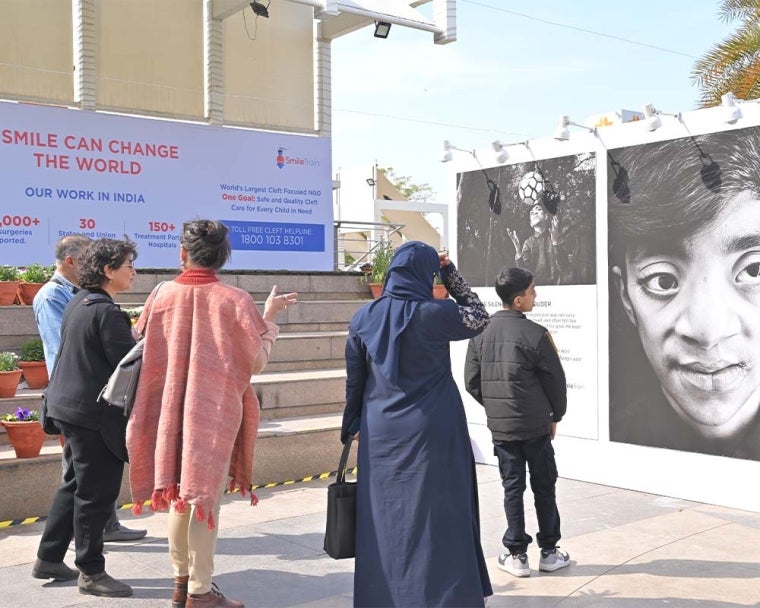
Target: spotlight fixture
column 370, row 181
column 382, row 29
column 501, row 152
column 652, row 122
column 562, row 133
column 447, row 155
column 732, row 111
column 259, row 9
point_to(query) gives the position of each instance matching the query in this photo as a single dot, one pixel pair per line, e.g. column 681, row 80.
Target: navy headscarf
column 408, row 282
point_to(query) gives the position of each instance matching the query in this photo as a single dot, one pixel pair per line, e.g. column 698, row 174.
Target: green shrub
column 32, row 350
column 8, row 362
column 381, row 261
column 134, row 312
column 37, row 273
column 8, row 273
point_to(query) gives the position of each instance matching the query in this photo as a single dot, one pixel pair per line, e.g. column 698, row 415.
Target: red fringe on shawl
column 235, row 486
column 160, row 500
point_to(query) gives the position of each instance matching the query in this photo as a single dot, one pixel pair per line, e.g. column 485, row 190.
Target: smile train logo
column 280, row 158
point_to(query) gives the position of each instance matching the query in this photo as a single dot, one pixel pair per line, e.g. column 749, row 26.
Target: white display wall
column 660, row 346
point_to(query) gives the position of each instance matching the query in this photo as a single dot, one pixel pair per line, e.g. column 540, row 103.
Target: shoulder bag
column 121, row 388
column 340, row 530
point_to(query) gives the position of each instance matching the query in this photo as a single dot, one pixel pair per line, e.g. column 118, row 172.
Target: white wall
column 692, row 476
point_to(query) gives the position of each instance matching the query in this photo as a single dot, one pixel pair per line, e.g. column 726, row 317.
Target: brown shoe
column 212, row 599
column 179, row 597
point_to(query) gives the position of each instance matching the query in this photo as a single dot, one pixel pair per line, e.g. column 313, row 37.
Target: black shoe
column 103, row 585
column 55, row 570
column 120, row 534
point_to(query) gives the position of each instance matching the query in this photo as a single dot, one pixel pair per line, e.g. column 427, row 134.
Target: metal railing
column 356, row 242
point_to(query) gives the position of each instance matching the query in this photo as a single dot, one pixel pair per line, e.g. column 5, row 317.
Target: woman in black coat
column 95, row 335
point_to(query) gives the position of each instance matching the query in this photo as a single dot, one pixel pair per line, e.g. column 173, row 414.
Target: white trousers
column 192, row 546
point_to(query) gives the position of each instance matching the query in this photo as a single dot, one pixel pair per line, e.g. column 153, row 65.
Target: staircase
column 301, row 391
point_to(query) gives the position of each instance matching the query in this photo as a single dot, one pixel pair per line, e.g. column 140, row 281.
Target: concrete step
column 286, row 450
column 318, row 315
column 308, row 351
column 314, row 286
column 17, row 323
column 300, row 393
column 16, row 326
column 282, row 394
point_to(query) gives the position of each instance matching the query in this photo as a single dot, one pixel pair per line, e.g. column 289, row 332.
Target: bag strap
column 344, row 460
column 154, row 293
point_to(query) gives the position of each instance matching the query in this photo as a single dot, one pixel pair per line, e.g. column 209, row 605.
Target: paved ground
column 629, row 550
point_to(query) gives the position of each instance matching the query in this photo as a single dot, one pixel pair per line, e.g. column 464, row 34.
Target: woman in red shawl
column 196, row 416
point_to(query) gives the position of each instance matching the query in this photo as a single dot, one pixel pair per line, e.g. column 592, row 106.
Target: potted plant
column 32, row 278
column 10, row 374
column 439, row 289
column 32, row 363
column 134, row 313
column 24, row 432
column 8, row 284
column 381, row 261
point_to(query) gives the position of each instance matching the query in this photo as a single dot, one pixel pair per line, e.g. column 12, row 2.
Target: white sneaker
column 553, row 560
column 516, row 565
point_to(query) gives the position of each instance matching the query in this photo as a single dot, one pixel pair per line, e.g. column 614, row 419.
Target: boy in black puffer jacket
column 514, row 371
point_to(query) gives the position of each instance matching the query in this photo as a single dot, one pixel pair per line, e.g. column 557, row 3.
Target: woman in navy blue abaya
column 417, row 523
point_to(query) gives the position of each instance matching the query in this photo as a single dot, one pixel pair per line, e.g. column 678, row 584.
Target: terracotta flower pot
column 27, row 291
column 9, row 383
column 35, row 373
column 376, row 289
column 8, row 291
column 440, row 292
column 25, row 437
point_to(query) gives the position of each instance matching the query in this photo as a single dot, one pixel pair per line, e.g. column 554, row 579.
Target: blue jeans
column 538, row 454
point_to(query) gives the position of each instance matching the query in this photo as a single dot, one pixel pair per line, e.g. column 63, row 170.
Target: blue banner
column 274, row 236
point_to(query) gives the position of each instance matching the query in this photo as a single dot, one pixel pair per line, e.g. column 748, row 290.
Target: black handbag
column 340, row 530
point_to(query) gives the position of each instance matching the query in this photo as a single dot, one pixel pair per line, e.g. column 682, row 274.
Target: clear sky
column 510, row 75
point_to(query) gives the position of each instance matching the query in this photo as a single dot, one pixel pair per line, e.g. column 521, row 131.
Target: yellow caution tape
column 33, row 520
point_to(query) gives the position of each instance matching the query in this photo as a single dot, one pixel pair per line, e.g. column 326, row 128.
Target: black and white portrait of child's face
column 695, row 304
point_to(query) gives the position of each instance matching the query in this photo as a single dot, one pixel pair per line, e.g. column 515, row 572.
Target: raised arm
column 471, row 310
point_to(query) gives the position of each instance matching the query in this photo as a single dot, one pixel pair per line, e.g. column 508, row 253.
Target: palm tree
column 734, row 63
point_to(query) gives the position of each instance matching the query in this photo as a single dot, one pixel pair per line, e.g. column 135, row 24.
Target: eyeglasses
column 130, row 266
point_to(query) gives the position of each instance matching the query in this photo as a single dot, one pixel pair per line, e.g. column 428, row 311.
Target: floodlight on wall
column 732, row 112
column 562, row 132
column 370, row 181
column 652, row 120
column 448, row 148
column 382, row 29
column 501, row 152
column 259, row 9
